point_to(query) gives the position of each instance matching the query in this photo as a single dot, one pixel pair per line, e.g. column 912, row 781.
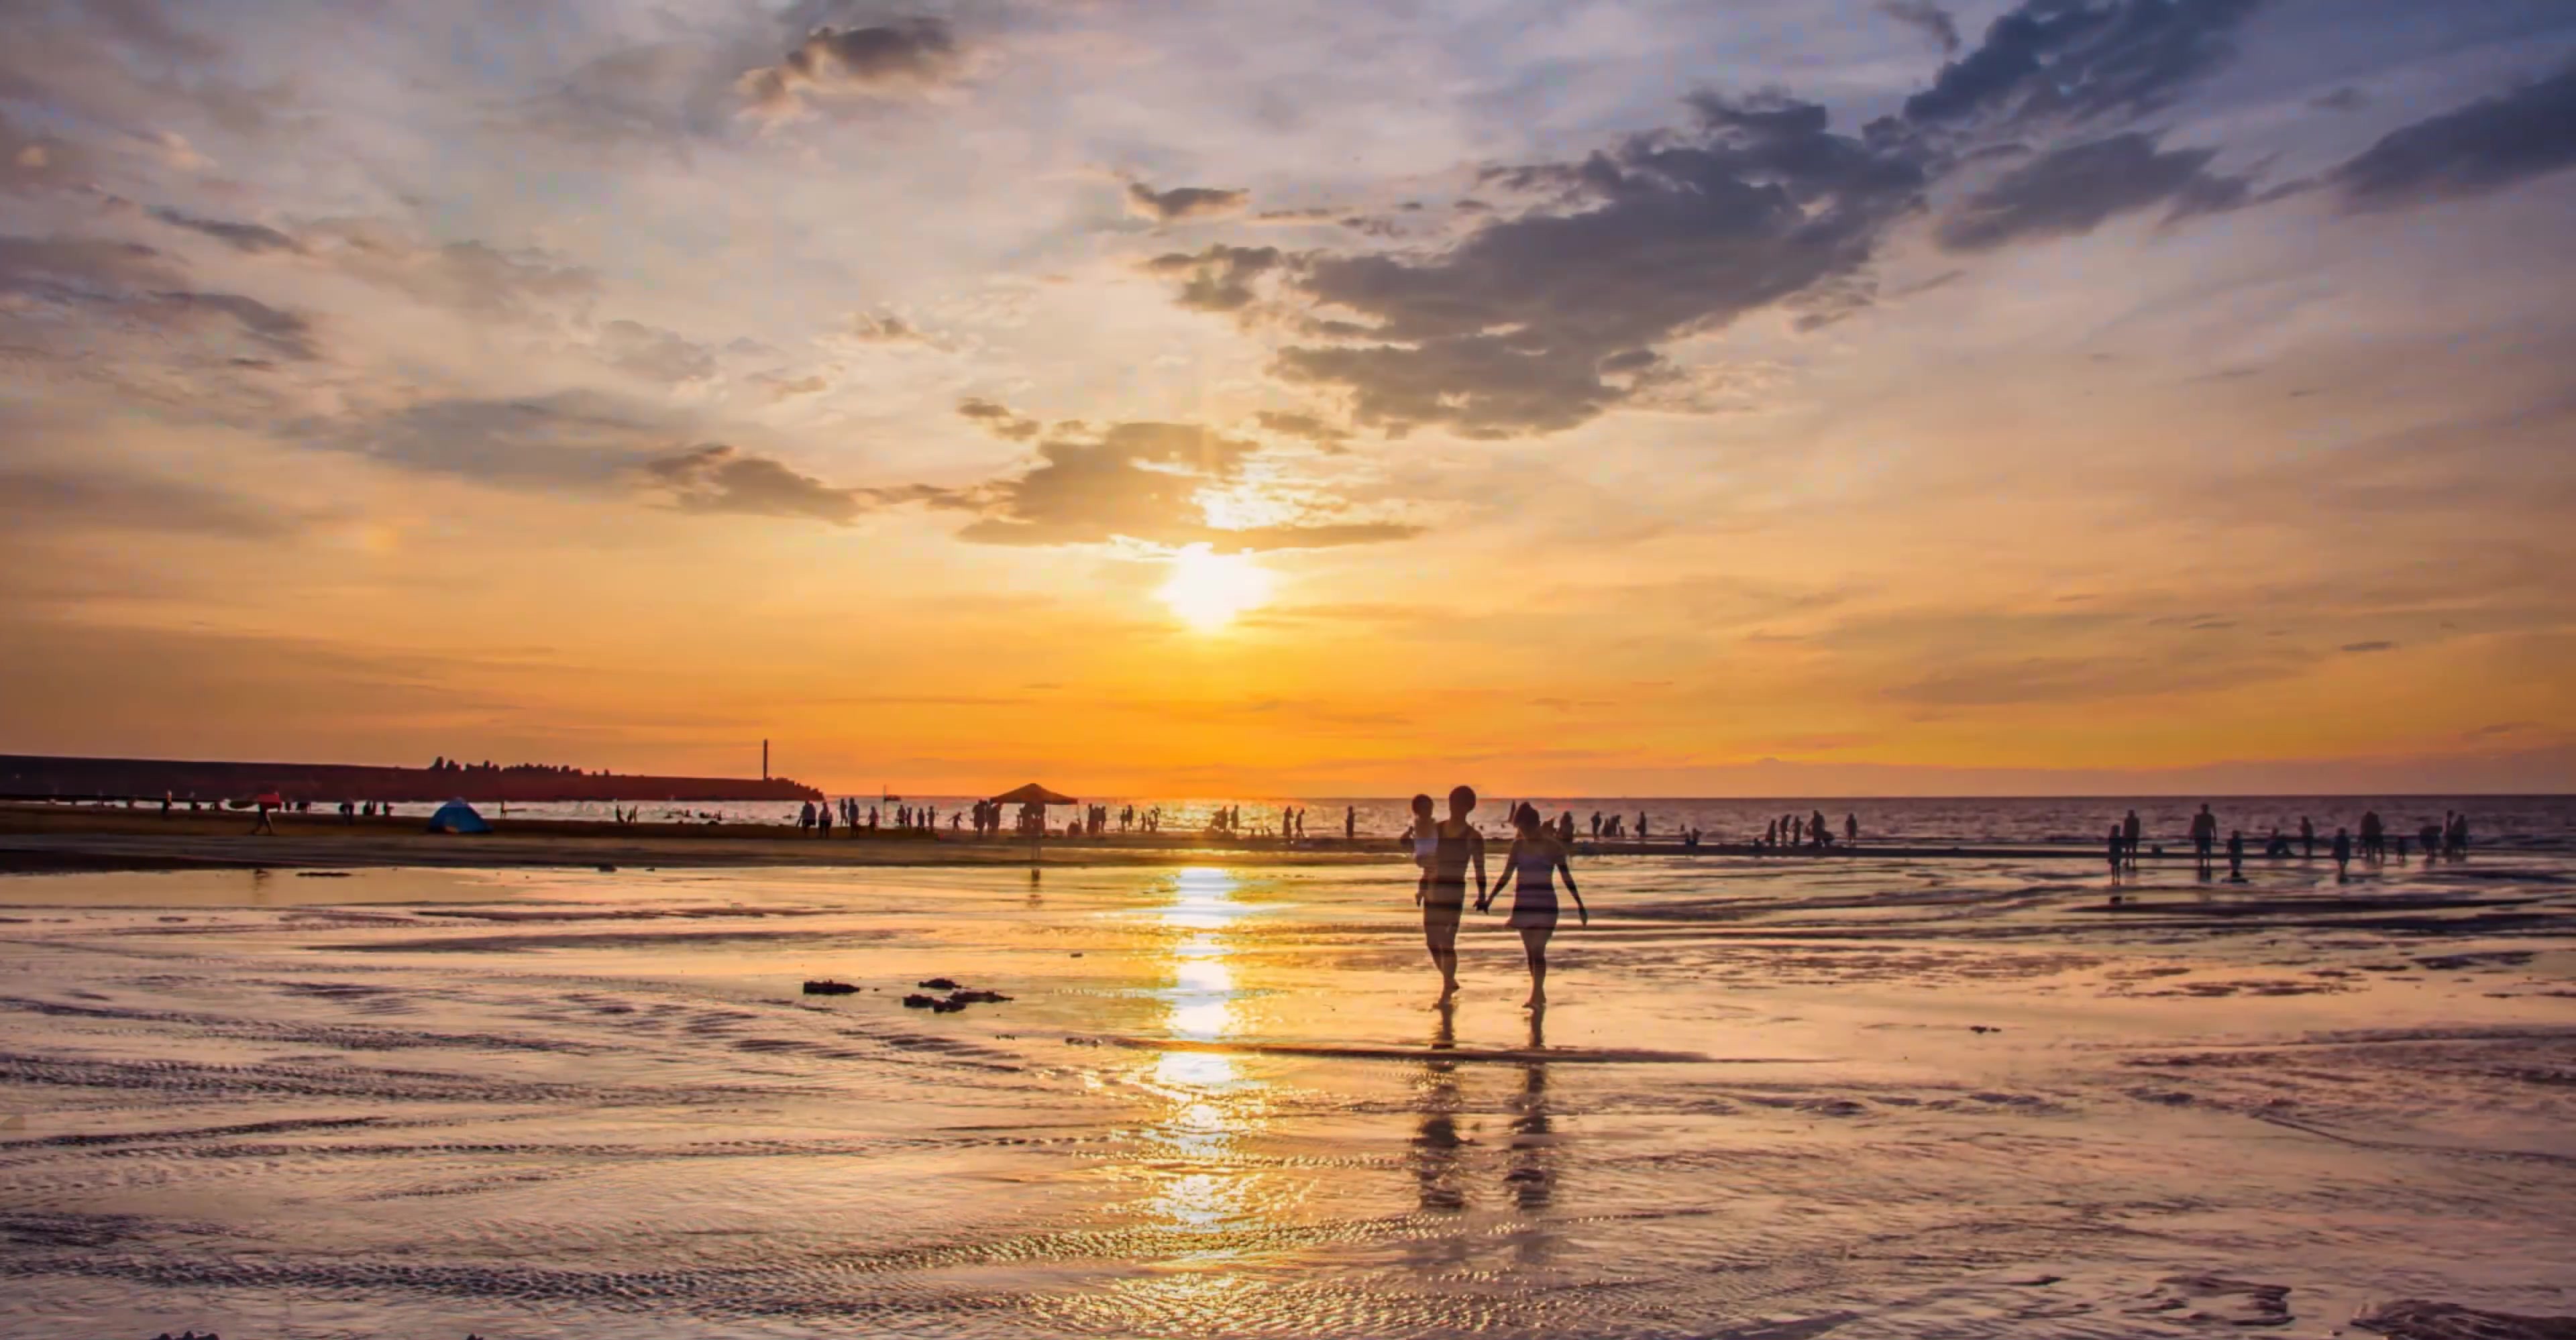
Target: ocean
column 2539, row 823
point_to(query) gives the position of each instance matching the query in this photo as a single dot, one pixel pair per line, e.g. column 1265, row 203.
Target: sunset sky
column 1631, row 397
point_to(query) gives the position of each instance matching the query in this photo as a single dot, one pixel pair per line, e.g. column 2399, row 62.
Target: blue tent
column 457, row 817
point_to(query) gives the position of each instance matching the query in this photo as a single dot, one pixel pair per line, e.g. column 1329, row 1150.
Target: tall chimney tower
column 764, row 760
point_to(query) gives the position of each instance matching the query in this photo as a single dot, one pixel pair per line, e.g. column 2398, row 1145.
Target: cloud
column 38, row 498
column 901, row 59
column 1141, row 481
column 654, row 354
column 868, row 329
column 254, row 238
column 137, row 282
column 2077, row 188
column 781, row 388
column 2345, row 99
column 1301, row 214
column 580, row 441
column 2365, row 648
column 1220, row 278
column 471, row 277
column 2475, row 150
column 1313, row 429
column 2079, row 59
column 998, row 419
column 1926, row 18
column 286, row 334
column 1184, row 203
column 36, row 160
column 717, row 478
column 1540, row 322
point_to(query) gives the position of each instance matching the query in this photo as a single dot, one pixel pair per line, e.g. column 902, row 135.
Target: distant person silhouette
column 2204, row 837
column 2118, row 845
column 1851, row 828
column 2307, row 839
column 2129, row 832
column 2236, row 856
column 1535, row 858
column 2342, row 855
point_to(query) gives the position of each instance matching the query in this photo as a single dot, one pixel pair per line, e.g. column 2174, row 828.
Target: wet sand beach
column 1857, row 1098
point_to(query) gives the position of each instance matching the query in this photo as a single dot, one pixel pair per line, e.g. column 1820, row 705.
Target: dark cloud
column 1307, row 426
column 1220, row 278
column 2077, row 188
column 2365, row 648
column 2345, row 99
column 1183, row 203
column 999, row 420
column 904, row 58
column 284, row 333
column 1508, row 332
column 868, row 329
column 136, row 282
column 2481, row 148
column 1927, row 18
column 1140, row 481
column 1303, row 214
column 654, row 354
column 2076, row 59
column 717, row 478
column 251, row 237
column 570, row 441
column 36, row 498
column 76, row 270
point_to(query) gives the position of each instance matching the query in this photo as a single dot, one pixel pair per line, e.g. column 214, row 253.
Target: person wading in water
column 1535, row 858
column 1456, row 846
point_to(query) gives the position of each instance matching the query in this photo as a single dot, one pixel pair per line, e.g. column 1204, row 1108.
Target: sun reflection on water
column 1190, row 1160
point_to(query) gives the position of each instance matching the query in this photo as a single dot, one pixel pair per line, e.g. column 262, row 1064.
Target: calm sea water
column 2513, row 822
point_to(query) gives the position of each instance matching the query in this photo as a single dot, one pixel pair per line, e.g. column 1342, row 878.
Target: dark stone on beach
column 829, row 988
column 955, row 1000
column 608, row 870
column 2416, row 1319
column 1983, row 1028
column 937, row 984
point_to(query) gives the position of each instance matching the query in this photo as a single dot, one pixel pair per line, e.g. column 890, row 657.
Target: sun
column 1207, row 589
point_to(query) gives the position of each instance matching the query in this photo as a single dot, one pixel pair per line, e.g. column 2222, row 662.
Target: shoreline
column 53, row 839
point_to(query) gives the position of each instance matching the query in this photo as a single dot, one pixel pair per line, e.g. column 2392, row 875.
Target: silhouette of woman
column 1535, row 858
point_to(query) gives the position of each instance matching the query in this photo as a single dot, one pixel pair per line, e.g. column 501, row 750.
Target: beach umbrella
column 1034, row 794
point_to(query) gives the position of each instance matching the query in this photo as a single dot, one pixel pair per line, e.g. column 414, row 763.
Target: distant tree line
column 445, row 764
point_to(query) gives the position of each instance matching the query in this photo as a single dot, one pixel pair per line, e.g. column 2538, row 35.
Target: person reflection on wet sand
column 1437, row 1146
column 1533, row 1158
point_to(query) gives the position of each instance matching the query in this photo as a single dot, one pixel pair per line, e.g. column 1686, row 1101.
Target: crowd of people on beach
column 2447, row 839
